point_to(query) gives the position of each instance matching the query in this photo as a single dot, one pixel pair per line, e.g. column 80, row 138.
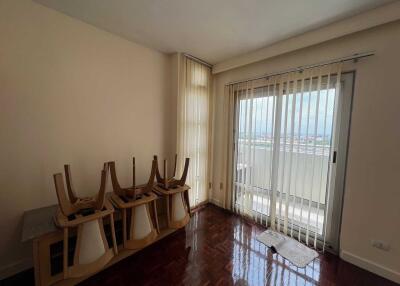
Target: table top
column 38, row 222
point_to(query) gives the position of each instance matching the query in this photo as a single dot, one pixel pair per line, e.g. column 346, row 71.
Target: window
column 193, row 126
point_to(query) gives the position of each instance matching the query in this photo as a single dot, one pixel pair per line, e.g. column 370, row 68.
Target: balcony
column 301, row 180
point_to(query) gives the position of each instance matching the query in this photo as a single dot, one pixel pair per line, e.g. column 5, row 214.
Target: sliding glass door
column 287, row 139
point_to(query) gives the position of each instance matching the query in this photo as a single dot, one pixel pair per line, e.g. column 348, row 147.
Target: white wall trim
column 370, row 266
column 379, row 16
column 216, row 202
column 15, row 267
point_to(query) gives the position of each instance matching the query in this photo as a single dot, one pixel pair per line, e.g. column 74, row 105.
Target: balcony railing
column 305, row 186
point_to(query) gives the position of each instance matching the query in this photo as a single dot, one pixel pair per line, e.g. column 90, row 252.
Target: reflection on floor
column 299, row 212
column 219, row 248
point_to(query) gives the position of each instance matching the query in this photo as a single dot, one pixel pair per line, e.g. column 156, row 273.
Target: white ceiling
column 213, row 30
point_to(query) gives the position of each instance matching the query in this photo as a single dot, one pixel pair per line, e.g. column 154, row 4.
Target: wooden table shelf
column 39, row 227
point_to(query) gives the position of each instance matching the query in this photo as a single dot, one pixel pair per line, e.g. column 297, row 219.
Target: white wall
column 372, row 193
column 71, row 93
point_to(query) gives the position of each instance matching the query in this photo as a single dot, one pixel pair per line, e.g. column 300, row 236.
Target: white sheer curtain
column 280, row 167
column 193, row 126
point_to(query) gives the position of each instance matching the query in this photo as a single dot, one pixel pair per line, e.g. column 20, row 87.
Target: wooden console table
column 39, row 227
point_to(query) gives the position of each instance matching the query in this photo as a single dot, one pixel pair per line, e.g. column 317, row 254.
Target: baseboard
column 199, row 206
column 15, row 267
column 216, row 202
column 371, row 266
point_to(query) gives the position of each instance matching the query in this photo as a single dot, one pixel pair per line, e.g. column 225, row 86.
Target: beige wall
column 372, row 193
column 71, row 93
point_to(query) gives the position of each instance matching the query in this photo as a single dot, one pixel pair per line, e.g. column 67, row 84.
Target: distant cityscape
column 318, row 145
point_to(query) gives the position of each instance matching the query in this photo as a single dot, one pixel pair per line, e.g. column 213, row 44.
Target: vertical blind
column 193, row 126
column 283, row 129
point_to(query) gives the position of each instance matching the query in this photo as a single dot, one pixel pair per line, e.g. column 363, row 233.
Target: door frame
column 334, row 207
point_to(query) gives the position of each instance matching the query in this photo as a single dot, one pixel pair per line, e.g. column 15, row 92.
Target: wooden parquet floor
column 219, row 248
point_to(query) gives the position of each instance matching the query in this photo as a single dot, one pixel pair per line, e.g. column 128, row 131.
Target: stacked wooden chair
column 92, row 251
column 139, row 203
column 176, row 193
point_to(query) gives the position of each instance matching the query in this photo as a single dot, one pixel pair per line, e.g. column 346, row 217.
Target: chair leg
column 114, row 240
column 65, row 253
column 124, row 227
column 168, row 211
column 187, row 202
column 156, row 216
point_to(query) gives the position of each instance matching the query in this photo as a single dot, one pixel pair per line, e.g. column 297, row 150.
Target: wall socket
column 382, row 245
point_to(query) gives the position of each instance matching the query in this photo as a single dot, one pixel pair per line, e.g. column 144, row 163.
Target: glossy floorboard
column 218, row 248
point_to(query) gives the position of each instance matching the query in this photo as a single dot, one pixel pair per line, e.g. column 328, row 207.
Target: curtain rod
column 354, row 57
column 197, row 60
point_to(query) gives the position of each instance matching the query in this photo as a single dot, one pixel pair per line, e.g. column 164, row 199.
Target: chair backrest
column 182, row 181
column 67, row 208
column 68, row 178
column 120, row 191
column 150, row 182
column 133, row 173
column 165, row 180
column 174, row 173
column 74, row 203
column 99, row 204
column 114, row 180
column 158, row 176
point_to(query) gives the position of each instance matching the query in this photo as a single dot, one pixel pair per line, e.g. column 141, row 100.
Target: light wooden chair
column 170, row 182
column 140, row 203
column 176, row 193
column 81, row 202
column 92, row 251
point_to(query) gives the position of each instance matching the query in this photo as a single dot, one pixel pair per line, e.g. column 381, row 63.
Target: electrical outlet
column 382, row 245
